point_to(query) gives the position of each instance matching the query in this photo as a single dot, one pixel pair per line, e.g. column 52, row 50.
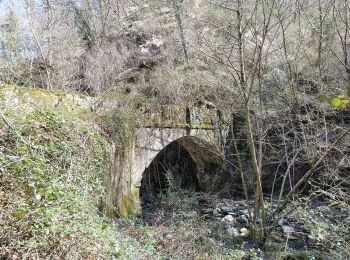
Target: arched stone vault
column 202, row 137
column 208, row 174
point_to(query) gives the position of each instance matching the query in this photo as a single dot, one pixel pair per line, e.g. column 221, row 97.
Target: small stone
column 38, row 197
column 233, row 232
column 232, row 213
column 282, row 222
column 207, row 210
column 225, row 209
column 243, row 212
column 228, row 219
column 242, row 219
column 288, row 230
column 245, row 232
column 217, row 212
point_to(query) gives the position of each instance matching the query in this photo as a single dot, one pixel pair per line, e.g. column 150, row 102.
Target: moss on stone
column 129, row 204
column 28, row 99
column 173, row 116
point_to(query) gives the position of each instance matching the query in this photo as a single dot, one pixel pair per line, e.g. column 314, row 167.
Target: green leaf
column 344, row 103
column 19, row 214
column 335, row 102
column 23, row 149
column 322, row 98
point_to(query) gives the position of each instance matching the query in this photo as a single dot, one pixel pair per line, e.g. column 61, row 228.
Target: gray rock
column 243, row 212
column 242, row 204
column 282, row 222
column 232, row 213
column 225, row 209
column 233, row 231
column 244, row 232
column 217, row 212
column 229, row 219
column 242, row 219
column 312, row 240
column 288, row 230
column 207, row 210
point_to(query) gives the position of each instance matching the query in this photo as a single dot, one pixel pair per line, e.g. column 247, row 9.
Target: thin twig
column 10, row 125
column 310, row 172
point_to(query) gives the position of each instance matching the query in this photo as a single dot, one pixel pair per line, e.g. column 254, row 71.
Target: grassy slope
column 52, row 163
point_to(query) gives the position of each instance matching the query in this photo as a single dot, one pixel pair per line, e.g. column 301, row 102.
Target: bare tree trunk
column 177, row 11
column 240, row 169
column 259, row 201
column 319, row 49
column 343, row 34
column 43, row 57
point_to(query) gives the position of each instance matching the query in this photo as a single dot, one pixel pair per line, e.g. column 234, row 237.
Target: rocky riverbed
column 312, row 226
column 318, row 230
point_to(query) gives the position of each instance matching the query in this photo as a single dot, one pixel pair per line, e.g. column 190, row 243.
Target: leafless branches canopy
column 266, row 59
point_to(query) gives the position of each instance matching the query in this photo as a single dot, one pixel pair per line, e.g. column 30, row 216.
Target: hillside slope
column 52, row 163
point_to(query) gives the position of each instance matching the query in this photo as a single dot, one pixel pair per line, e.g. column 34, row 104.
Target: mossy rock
column 28, row 99
column 127, row 205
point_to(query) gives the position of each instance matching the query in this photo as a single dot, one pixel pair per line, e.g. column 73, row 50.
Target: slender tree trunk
column 319, row 50
column 259, row 202
column 43, row 57
column 176, row 6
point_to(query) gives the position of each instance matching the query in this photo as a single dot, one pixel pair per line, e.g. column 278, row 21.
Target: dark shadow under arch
column 188, row 162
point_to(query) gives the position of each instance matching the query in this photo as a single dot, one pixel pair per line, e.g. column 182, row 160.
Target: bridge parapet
column 182, row 117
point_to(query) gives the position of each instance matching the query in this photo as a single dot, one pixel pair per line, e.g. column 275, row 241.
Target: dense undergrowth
column 52, row 164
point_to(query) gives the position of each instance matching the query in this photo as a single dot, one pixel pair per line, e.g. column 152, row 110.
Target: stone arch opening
column 188, row 162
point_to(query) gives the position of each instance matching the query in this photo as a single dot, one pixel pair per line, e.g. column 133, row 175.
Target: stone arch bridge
column 186, row 142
